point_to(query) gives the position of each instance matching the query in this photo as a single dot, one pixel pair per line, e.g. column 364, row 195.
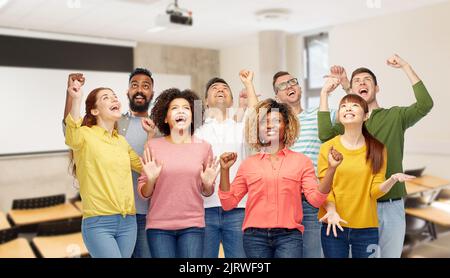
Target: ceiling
column 217, row 23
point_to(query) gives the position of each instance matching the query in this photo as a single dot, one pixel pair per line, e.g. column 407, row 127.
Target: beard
column 135, row 107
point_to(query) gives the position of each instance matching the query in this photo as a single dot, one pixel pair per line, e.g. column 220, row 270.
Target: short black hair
column 162, row 102
column 143, row 71
column 212, row 81
column 276, row 76
column 364, row 70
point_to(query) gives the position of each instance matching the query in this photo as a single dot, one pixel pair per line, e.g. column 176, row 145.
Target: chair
column 13, row 247
column 39, row 202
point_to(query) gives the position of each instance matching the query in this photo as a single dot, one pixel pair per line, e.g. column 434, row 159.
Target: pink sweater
column 177, row 202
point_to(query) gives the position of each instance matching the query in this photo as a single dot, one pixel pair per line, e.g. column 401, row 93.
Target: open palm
column 151, row 167
column 209, row 174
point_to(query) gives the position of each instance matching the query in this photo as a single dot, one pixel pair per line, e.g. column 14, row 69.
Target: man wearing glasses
column 287, row 90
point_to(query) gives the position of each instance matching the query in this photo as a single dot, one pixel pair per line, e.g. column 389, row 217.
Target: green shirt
column 388, row 126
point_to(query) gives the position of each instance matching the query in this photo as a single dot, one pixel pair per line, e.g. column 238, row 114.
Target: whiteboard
column 32, row 103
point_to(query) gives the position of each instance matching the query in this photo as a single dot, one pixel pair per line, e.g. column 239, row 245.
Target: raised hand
column 331, row 83
column 246, row 77
column 339, row 72
column 227, row 160
column 149, row 126
column 334, row 158
column 400, row 177
column 333, row 219
column 74, row 84
column 396, row 62
column 150, row 166
column 210, row 172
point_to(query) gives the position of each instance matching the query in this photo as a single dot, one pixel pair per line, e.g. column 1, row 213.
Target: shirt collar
column 262, row 154
column 103, row 132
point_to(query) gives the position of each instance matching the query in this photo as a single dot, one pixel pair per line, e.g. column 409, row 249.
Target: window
column 316, row 66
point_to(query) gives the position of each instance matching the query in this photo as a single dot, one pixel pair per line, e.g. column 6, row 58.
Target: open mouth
column 115, row 108
column 363, row 91
column 349, row 116
column 220, row 95
column 180, row 119
column 271, row 132
column 291, row 93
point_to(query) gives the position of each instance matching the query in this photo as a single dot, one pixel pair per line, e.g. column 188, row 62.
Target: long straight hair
column 374, row 148
column 89, row 120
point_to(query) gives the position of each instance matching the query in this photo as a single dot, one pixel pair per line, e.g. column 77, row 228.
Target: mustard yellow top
column 104, row 163
column 355, row 189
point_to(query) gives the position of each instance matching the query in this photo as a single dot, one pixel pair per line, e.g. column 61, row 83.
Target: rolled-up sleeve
column 74, row 133
column 238, row 189
column 142, row 180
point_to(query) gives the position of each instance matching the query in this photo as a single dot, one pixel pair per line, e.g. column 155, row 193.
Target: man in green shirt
column 388, row 126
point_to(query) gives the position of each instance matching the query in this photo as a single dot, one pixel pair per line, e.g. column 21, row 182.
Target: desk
column 17, row 248
column 412, row 188
column 432, row 214
column 79, row 206
column 430, row 181
column 40, row 215
column 4, row 224
column 62, row 246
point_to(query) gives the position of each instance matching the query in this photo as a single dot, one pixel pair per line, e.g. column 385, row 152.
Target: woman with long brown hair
column 358, row 183
column 103, row 161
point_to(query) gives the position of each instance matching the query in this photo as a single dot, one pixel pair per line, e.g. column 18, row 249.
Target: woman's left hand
column 210, row 172
column 334, row 158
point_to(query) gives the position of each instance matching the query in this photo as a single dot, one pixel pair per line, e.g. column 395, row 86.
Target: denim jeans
column 226, row 227
column 362, row 242
column 184, row 243
column 110, row 236
column 392, row 227
column 312, row 247
column 273, row 243
column 141, row 249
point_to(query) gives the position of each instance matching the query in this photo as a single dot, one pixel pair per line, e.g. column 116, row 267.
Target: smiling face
column 140, row 92
column 271, row 128
column 353, row 109
column 107, row 106
column 219, row 96
column 363, row 84
column 179, row 114
column 291, row 94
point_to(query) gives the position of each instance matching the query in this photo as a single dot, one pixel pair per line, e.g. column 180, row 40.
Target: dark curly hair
column 162, row 102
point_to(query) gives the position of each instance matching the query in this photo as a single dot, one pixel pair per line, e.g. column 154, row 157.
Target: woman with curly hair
column 274, row 180
column 178, row 169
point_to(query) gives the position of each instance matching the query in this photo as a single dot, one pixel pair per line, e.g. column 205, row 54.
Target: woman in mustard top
column 358, row 183
column 104, row 161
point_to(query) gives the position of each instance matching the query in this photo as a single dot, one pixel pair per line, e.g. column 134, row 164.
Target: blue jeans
column 110, row 236
column 363, row 243
column 273, row 243
column 312, row 247
column 226, row 227
column 184, row 243
column 141, row 249
column 392, row 227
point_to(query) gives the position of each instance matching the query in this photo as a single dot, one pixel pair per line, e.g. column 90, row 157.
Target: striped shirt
column 308, row 143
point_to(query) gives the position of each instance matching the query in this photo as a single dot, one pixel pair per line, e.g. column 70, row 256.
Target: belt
column 389, row 200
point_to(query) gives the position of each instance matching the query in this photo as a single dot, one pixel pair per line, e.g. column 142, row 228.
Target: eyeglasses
column 284, row 85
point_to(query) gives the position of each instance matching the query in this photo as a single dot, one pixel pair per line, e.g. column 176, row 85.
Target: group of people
column 193, row 173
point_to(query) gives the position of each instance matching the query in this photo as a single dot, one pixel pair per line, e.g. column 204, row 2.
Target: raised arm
column 75, row 80
column 151, row 170
column 246, row 77
column 231, row 196
column 327, row 130
column 208, row 174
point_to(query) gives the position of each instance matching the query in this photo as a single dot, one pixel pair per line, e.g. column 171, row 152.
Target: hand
column 149, row 126
column 150, row 166
column 227, row 160
column 396, row 62
column 209, row 174
column 334, row 158
column 333, row 219
column 74, row 84
column 400, row 177
column 246, row 77
column 331, row 83
column 339, row 72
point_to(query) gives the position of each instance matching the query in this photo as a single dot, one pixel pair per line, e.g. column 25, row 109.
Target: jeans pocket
column 91, row 220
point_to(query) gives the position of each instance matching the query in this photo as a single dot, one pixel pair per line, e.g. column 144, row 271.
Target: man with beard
column 140, row 94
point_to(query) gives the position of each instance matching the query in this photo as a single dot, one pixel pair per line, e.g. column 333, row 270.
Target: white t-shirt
column 226, row 136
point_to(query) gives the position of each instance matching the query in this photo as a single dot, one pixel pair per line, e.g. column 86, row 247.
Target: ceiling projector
column 174, row 17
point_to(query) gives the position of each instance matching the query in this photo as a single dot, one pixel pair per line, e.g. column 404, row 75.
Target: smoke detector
column 273, row 15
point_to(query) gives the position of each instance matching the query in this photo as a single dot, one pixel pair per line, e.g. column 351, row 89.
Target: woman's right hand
column 74, row 84
column 333, row 219
column 227, row 160
column 150, row 166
